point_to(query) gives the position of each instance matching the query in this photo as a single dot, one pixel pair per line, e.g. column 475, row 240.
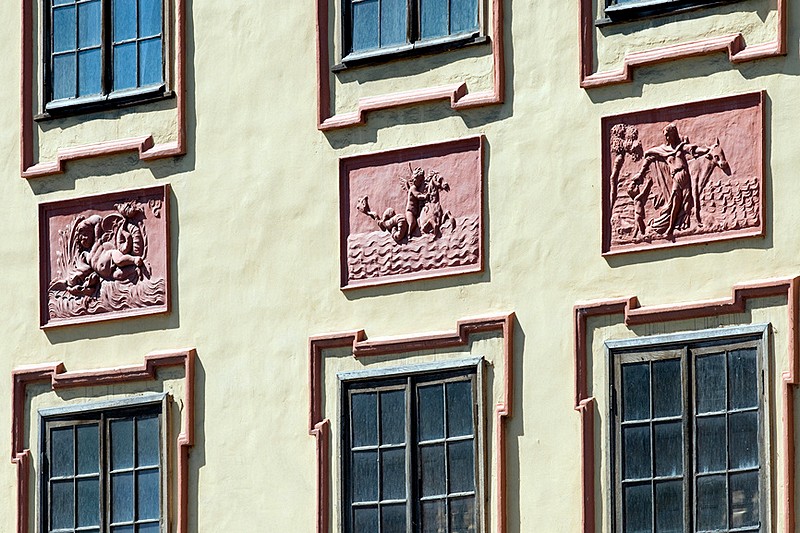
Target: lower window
column 410, row 453
column 689, row 429
column 102, row 469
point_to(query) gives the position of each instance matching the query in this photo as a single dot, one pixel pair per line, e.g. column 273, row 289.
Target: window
column 102, row 470
column 689, row 438
column 410, row 449
column 380, row 25
column 633, row 9
column 103, row 50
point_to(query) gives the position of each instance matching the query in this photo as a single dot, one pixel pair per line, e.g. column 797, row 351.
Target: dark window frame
column 642, row 9
column 686, row 348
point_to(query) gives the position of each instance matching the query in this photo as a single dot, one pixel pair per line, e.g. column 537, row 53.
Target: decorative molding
column 104, row 257
column 144, row 145
column 633, row 315
column 319, row 427
column 60, row 378
column 684, row 174
column 734, row 44
column 457, row 93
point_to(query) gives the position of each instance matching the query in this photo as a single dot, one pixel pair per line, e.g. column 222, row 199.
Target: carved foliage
column 104, row 256
column 683, row 174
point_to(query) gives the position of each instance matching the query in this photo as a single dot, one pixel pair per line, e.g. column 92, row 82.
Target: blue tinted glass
column 62, row 2
column 147, row 441
column 393, row 22
column 365, row 519
column 62, row 505
column 124, row 12
column 122, row 529
column 149, row 18
column 431, row 412
column 88, row 459
column 88, row 502
column 124, row 66
column 64, row 76
column 463, row 16
column 152, row 527
column 122, row 497
column 89, row 71
column 364, row 424
column 64, row 29
column 62, row 455
column 365, row 25
column 89, row 24
column 433, row 18
column 121, row 444
column 150, row 62
column 147, row 494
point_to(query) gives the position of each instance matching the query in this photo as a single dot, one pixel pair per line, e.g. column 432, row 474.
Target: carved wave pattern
column 114, row 296
column 374, row 254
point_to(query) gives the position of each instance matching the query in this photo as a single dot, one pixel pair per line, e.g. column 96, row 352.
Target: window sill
column 644, row 9
column 116, row 100
column 431, row 46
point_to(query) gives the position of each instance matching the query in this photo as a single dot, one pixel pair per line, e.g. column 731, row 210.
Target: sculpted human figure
column 624, row 141
column 414, row 198
column 433, row 216
column 395, row 225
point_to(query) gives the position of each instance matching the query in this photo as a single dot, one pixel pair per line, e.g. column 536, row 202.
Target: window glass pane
column 122, row 497
column 64, row 34
column 743, row 375
column 743, row 439
column 124, row 66
column 122, row 529
column 150, row 62
column 636, row 391
column 459, row 408
column 433, row 474
column 122, row 444
column 364, row 420
column 62, row 2
column 152, row 527
column 147, row 494
column 667, row 388
column 365, row 25
column 431, row 412
column 365, row 520
column 62, row 505
column 669, row 507
column 463, row 16
column 147, row 451
column 744, row 499
column 393, row 518
column 124, row 19
column 668, row 451
column 434, row 516
column 636, row 452
column 393, row 417
column 462, row 515
column 393, row 474
column 365, row 476
column 89, row 72
column 712, row 508
column 637, row 508
column 88, row 443
column 64, row 76
column 393, row 22
column 149, row 18
column 88, row 502
column 61, row 452
column 710, row 383
column 711, row 444
column 433, row 18
column 89, row 24
column 461, row 466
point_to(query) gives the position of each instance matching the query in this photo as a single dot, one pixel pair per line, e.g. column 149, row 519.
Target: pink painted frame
column 59, row 379
column 738, row 51
column 456, row 93
column 634, row 314
column 319, row 427
column 145, row 145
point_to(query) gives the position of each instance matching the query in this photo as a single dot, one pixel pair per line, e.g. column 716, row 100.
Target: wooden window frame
column 642, row 9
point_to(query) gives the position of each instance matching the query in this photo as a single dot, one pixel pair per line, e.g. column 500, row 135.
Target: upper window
column 410, row 449
column 632, row 9
column 375, row 25
column 102, row 471
column 103, row 49
column 689, row 439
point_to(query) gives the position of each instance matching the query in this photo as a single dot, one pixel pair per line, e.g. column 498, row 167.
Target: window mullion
column 412, row 477
column 687, row 391
column 106, row 36
column 412, row 20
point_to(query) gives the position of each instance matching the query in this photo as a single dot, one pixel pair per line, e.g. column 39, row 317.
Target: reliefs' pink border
column 738, row 51
column 457, row 93
column 319, row 427
column 144, row 145
column 85, row 202
column 443, row 152
column 634, row 314
column 59, row 378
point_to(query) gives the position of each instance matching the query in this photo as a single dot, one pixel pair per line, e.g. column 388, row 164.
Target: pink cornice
column 60, row 378
column 634, row 314
column 456, row 93
column 144, row 145
column 319, row 427
column 738, row 51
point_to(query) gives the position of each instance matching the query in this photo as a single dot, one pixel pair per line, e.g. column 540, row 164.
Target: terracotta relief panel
column 683, row 174
column 412, row 213
column 104, row 257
